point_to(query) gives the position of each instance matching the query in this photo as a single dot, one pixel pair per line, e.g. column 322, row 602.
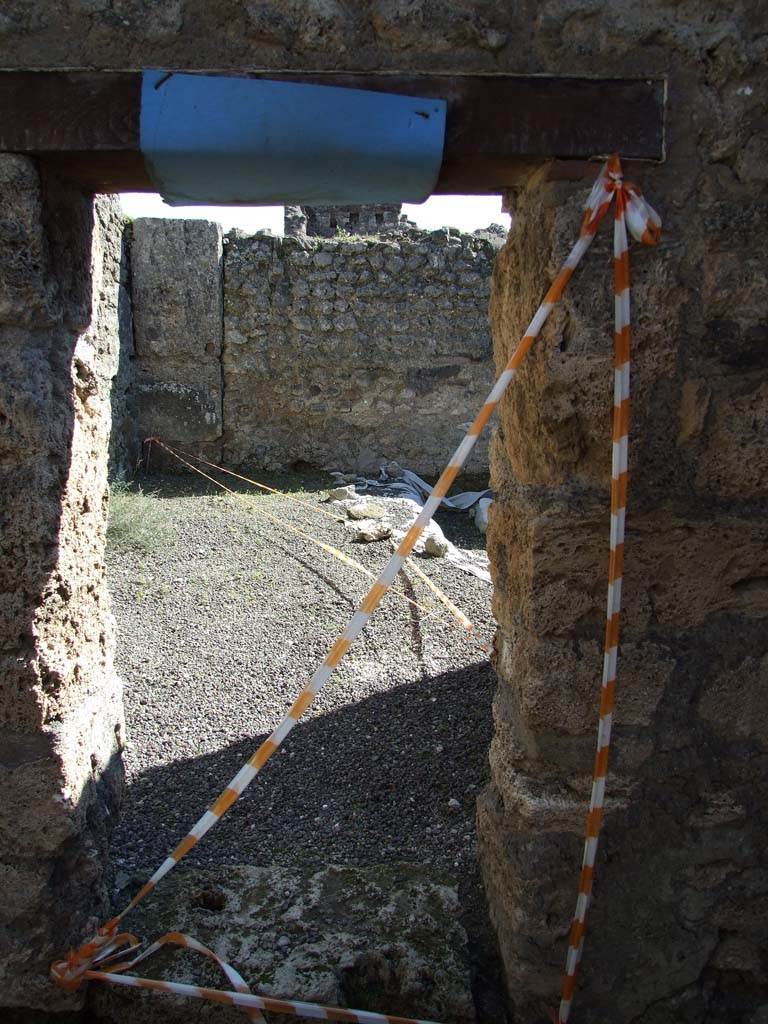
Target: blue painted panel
column 214, row 139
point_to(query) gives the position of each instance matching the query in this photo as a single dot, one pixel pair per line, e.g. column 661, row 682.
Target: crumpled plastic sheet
column 395, row 481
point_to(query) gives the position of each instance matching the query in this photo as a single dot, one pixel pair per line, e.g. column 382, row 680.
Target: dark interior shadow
column 426, row 740
column 124, row 448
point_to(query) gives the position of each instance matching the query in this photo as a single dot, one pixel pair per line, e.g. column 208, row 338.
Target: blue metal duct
column 214, row 139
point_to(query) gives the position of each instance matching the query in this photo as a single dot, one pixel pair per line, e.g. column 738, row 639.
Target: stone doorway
column 682, row 862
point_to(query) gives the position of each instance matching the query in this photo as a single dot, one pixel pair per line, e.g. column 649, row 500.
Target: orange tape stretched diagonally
column 82, row 964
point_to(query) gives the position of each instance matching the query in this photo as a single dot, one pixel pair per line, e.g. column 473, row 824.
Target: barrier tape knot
column 69, row 973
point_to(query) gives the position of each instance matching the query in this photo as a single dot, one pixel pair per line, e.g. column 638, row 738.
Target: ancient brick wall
column 340, row 353
column 60, row 701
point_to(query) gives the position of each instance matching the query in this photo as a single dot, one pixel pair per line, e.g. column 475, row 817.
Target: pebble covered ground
column 222, row 614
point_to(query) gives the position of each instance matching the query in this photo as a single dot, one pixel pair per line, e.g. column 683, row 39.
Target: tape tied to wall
column 241, row 141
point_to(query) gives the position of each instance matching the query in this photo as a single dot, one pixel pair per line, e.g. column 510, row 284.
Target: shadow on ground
column 352, row 786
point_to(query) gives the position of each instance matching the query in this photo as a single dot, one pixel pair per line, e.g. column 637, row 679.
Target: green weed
column 138, row 521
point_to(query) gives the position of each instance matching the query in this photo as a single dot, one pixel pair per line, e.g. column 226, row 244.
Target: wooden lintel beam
column 86, row 124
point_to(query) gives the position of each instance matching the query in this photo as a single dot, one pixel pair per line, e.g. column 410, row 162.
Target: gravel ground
column 219, row 624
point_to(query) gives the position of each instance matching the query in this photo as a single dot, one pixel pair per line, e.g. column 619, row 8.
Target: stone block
column 551, row 555
column 177, row 411
column 745, row 718
column 732, row 460
column 557, row 681
column 384, row 938
column 530, row 885
column 177, row 290
column 27, row 296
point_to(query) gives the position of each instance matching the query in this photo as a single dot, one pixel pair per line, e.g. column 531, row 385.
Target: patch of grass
column 138, row 521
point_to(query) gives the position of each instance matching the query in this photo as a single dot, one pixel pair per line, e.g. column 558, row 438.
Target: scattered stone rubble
column 391, row 517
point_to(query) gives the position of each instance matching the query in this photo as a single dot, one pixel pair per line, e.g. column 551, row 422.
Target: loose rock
column 435, row 543
column 367, row 531
column 342, row 493
column 366, row 510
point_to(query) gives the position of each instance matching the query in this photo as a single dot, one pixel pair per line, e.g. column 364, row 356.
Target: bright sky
column 463, row 212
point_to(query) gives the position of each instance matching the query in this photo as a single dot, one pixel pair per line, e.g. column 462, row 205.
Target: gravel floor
column 219, row 625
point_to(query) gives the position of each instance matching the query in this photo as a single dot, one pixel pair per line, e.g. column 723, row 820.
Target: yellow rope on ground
column 329, row 549
column 466, row 624
column 457, row 613
column 246, row 479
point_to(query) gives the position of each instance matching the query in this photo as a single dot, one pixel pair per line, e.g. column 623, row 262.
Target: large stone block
column 177, row 296
column 177, row 410
column 384, row 938
column 732, row 456
column 65, row 787
column 551, row 560
column 176, row 268
column 556, row 414
column 529, row 881
column 26, row 295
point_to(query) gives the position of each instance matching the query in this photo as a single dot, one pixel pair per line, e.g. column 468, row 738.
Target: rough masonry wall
column 680, row 891
column 348, row 353
column 679, row 924
column 60, row 701
column 176, row 293
column 340, row 353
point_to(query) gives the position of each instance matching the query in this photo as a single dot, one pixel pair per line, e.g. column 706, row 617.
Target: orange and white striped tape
column 644, row 224
column 631, row 210
column 248, row 1001
column 597, row 206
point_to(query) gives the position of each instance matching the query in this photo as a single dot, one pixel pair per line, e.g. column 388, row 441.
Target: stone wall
column 349, row 353
column 679, row 927
column 176, row 291
column 679, row 912
column 60, row 701
column 341, row 353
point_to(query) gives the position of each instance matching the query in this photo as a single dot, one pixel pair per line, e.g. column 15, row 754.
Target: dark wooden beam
column 86, row 124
